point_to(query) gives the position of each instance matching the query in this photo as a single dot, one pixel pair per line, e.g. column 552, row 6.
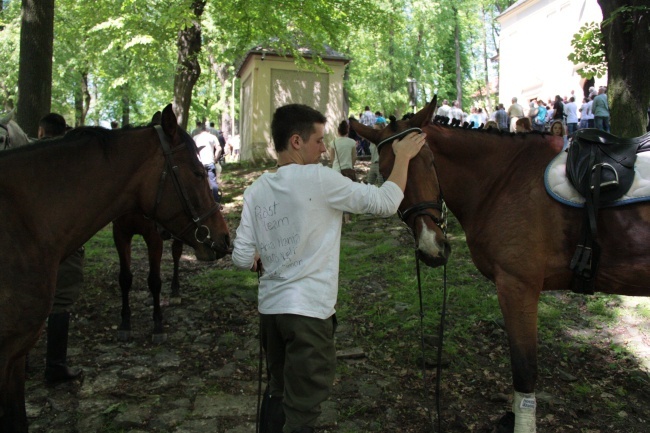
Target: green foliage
column 589, row 49
column 125, row 51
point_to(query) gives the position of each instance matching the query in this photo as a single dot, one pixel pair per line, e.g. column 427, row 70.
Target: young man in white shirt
column 291, row 227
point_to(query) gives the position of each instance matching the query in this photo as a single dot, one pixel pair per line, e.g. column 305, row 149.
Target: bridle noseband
column 202, row 232
column 7, row 140
column 422, row 208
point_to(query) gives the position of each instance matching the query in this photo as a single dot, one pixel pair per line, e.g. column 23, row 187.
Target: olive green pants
column 301, row 360
column 69, row 281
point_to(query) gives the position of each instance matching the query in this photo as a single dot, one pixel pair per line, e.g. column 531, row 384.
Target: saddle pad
column 559, row 187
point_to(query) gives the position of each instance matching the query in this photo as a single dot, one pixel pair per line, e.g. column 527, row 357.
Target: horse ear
column 8, row 117
column 425, row 115
column 371, row 134
column 168, row 121
column 157, row 118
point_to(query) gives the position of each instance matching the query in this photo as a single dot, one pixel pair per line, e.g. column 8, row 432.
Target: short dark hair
column 294, row 119
column 53, row 125
column 344, row 128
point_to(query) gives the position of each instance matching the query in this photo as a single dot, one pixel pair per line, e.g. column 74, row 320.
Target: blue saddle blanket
column 559, row 187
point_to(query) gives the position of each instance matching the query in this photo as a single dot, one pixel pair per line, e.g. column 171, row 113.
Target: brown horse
column 124, row 228
column 519, row 237
column 55, row 195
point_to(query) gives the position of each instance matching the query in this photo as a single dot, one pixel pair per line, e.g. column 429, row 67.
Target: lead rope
column 441, row 332
column 259, row 369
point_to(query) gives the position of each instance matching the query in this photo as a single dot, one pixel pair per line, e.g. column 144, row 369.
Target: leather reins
column 423, row 209
column 202, row 232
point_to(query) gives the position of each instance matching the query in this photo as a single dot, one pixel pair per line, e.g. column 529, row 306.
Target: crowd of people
column 539, row 115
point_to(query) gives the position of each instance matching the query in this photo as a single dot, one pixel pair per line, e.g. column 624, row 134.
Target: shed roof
column 329, row 54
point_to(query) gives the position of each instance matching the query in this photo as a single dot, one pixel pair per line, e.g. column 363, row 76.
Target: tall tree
column 626, row 33
column 35, row 67
column 188, row 68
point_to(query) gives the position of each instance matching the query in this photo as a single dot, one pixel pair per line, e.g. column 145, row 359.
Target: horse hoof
column 159, row 338
column 123, row 335
column 506, row 424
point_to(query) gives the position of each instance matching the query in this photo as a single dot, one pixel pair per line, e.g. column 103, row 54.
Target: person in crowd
column 482, row 115
column 380, row 120
column 366, row 118
column 69, row 283
column 492, row 124
column 290, row 230
column 222, row 141
column 532, row 110
column 455, row 112
column 209, row 153
column 557, row 128
column 539, row 122
column 234, row 144
column 501, row 117
column 523, row 125
column 600, row 108
column 444, row 110
column 114, row 124
column 585, row 113
column 571, row 112
column 199, row 127
column 343, row 154
column 558, row 108
column 515, row 112
column 473, row 119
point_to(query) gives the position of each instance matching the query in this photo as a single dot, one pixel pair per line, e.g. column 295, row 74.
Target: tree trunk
column 81, row 100
column 627, row 44
column 188, row 69
column 459, row 77
column 126, row 101
column 35, row 66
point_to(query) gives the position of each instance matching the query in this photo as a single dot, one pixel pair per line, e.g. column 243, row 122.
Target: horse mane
column 455, row 123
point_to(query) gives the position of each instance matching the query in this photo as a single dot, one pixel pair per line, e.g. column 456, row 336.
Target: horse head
column 422, row 207
column 198, row 221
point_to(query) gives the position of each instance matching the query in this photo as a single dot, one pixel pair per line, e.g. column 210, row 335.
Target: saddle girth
column 601, row 167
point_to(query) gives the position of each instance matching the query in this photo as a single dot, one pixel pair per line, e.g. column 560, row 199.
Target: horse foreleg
column 123, row 246
column 13, row 416
column 519, row 303
column 155, row 249
column 177, row 251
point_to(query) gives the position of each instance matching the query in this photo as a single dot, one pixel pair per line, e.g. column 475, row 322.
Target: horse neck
column 76, row 187
column 476, row 167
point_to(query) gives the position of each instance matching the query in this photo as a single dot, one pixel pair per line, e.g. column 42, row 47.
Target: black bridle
column 7, row 140
column 202, row 232
column 422, row 208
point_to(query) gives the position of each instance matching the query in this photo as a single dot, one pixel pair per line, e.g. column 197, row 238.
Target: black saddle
column 601, row 167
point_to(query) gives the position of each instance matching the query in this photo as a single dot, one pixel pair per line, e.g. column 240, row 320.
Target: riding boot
column 272, row 414
column 56, row 368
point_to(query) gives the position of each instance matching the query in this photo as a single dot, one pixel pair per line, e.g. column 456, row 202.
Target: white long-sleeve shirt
column 293, row 219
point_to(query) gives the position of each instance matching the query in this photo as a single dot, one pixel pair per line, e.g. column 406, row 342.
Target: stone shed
column 269, row 80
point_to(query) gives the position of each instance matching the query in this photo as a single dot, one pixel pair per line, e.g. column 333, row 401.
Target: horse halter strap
column 418, row 209
column 397, row 136
column 181, row 191
column 7, row 140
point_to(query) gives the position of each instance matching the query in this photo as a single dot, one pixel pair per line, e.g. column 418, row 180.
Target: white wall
column 535, row 41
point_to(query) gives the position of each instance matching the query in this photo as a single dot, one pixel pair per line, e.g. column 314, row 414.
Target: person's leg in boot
column 68, row 287
column 309, row 371
column 272, row 417
column 56, row 367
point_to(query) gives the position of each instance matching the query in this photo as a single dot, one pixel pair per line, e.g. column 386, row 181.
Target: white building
column 534, row 44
